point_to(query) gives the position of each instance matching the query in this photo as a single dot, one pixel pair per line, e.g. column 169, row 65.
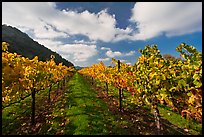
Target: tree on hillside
column 170, row 57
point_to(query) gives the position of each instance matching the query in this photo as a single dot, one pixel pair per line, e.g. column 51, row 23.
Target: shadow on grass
column 140, row 120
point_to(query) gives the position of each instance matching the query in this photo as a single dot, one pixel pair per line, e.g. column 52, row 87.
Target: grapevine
column 154, row 80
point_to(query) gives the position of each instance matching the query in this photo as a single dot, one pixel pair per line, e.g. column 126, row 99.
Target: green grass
column 194, row 127
column 87, row 114
column 11, row 115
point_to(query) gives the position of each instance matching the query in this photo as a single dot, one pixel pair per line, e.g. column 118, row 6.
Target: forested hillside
column 22, row 44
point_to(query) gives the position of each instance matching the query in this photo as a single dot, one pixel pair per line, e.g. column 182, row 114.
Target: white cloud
column 125, row 61
column 37, row 15
column 171, row 18
column 46, row 31
column 129, row 63
column 81, row 52
column 100, row 26
column 31, row 15
column 122, row 60
column 130, row 53
column 103, row 59
column 123, row 34
column 112, row 54
column 51, row 44
column 104, row 48
column 84, row 42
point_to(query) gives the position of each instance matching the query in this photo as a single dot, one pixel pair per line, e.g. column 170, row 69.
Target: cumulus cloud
column 123, row 60
column 32, row 16
column 103, row 59
column 129, row 63
column 36, row 16
column 81, row 52
column 130, row 53
column 124, row 34
column 171, row 18
column 89, row 24
column 104, row 48
column 47, row 31
column 84, row 42
column 113, row 54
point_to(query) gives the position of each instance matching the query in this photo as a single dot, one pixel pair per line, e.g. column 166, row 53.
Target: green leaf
column 164, row 95
column 172, row 89
column 189, row 94
column 196, row 82
column 163, row 77
column 181, row 83
column 196, row 77
column 147, row 101
column 157, row 82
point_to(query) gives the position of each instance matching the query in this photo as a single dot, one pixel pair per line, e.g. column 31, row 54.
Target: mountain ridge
column 22, row 44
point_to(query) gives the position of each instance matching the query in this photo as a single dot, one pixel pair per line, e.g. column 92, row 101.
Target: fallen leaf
column 186, row 130
column 49, row 129
column 23, row 124
column 62, row 124
column 151, row 124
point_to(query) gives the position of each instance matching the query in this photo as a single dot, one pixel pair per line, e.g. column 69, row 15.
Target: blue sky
column 89, row 32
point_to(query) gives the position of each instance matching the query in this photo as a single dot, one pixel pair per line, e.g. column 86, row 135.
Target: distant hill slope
column 78, row 67
column 22, row 44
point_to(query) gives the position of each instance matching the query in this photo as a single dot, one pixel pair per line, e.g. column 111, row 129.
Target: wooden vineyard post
column 33, row 107
column 92, row 81
column 107, row 87
column 120, row 90
column 156, row 118
column 120, row 99
column 61, row 84
column 49, row 93
column 57, row 88
column 65, row 81
column 122, row 93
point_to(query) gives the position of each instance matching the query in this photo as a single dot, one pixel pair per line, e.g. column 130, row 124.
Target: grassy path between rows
column 88, row 114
